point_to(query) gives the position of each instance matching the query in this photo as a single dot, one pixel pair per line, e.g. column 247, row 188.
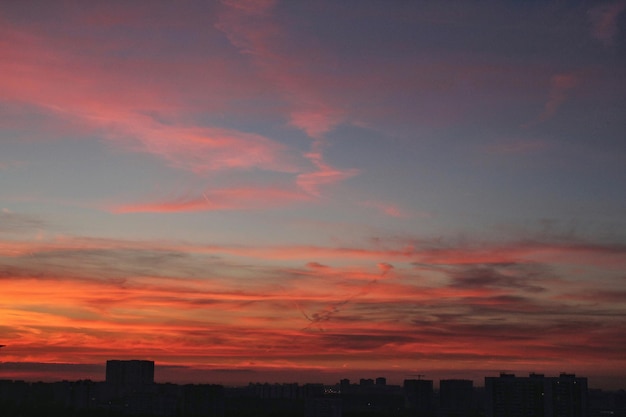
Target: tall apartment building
column 418, row 396
column 456, row 397
column 536, row 396
column 568, row 396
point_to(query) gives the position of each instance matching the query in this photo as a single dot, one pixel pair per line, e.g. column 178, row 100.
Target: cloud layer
column 212, row 306
column 287, row 188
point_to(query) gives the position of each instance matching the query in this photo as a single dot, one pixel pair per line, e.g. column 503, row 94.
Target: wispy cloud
column 86, row 291
column 49, row 73
column 72, row 296
column 324, row 174
column 7, row 165
column 517, row 146
column 206, row 149
column 139, row 117
column 560, row 85
column 224, row 199
column 11, row 222
column 560, row 88
column 389, row 209
column 253, row 30
column 604, row 18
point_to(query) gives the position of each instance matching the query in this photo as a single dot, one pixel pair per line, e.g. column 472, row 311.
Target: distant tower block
column 456, row 397
column 536, row 395
column 125, row 377
column 418, row 395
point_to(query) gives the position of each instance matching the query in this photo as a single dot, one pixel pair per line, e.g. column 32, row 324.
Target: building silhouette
column 369, row 397
column 456, row 397
column 418, row 396
column 130, row 390
column 323, row 407
column 125, row 377
column 568, row 396
column 536, row 396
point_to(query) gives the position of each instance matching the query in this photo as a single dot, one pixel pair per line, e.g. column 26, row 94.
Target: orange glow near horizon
column 312, row 316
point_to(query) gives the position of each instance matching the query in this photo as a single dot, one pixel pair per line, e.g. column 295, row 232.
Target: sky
column 303, row 191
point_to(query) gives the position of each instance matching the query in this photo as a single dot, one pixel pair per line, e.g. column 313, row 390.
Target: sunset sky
column 301, row 190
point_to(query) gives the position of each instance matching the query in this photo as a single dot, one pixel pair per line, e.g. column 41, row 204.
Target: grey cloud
column 13, row 223
column 517, row 276
column 364, row 341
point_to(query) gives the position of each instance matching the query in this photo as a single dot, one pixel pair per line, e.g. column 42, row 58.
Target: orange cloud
column 237, row 306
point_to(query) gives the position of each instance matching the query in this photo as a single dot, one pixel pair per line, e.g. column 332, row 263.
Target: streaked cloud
column 517, row 146
column 604, row 19
column 6, row 165
column 560, row 85
column 212, row 200
column 11, row 222
column 323, row 174
column 389, row 209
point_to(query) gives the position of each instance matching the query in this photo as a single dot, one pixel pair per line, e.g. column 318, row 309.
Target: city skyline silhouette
column 161, row 373
column 129, row 388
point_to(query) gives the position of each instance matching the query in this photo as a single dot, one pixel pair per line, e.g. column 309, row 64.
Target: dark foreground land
column 94, row 399
column 130, row 390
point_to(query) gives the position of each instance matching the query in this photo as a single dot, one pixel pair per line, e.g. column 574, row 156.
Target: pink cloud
column 253, row 7
column 604, row 20
column 517, row 147
column 254, row 32
column 311, row 182
column 7, row 165
column 206, row 149
column 560, row 87
column 53, row 75
column 316, row 122
column 388, row 209
column 224, row 199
